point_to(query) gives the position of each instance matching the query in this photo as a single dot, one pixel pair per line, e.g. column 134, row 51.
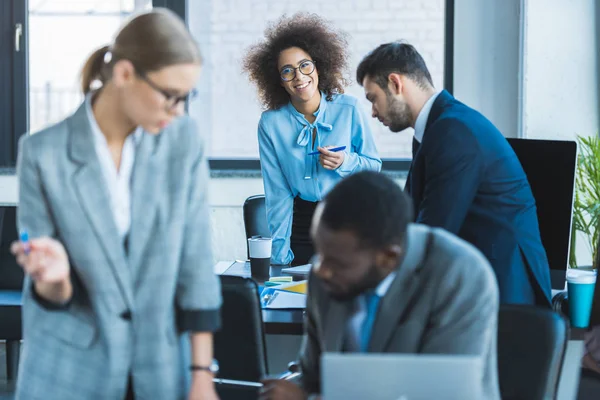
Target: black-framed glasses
column 171, row 100
column 288, row 73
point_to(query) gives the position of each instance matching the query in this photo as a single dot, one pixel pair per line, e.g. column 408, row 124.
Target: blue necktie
column 372, row 300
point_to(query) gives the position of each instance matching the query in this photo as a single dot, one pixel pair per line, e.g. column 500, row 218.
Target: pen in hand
column 334, row 149
column 24, row 237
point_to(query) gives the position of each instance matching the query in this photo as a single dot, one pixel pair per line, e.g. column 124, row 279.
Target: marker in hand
column 24, row 237
column 335, row 149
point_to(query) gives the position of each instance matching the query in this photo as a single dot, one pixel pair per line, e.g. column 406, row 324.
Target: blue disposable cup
column 581, row 295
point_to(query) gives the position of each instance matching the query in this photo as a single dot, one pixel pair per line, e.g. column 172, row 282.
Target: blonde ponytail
column 93, row 69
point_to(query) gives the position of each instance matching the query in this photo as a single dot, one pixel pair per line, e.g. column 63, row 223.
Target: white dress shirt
column 354, row 324
column 118, row 181
column 421, row 121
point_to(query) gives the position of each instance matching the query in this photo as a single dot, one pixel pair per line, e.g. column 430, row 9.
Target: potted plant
column 586, row 207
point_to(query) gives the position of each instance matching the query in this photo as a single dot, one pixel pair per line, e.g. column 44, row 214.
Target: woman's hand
column 330, row 159
column 203, row 387
column 46, row 261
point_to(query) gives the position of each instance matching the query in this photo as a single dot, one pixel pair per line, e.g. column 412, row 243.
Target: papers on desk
column 275, row 298
column 296, row 287
column 300, row 270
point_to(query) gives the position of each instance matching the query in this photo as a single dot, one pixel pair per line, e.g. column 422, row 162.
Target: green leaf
column 586, row 206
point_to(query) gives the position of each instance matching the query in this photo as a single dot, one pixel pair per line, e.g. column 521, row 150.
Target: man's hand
column 278, row 389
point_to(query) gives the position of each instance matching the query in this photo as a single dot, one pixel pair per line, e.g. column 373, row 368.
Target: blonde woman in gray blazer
column 114, row 200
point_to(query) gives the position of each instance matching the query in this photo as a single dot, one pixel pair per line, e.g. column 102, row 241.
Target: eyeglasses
column 288, row 73
column 171, row 100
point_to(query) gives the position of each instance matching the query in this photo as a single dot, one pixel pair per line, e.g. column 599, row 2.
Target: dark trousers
column 300, row 241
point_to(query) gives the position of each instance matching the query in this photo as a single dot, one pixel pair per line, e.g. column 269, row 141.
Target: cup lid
column 581, row 276
column 257, row 238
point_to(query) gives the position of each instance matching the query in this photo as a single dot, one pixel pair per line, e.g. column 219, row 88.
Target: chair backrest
column 531, row 347
column 11, row 275
column 255, row 218
column 240, row 344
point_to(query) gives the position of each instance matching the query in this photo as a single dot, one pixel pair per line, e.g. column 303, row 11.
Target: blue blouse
column 285, row 140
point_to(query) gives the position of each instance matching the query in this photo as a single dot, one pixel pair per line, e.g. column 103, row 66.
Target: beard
column 399, row 115
column 370, row 280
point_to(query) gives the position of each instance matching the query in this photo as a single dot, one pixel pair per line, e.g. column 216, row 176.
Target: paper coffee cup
column 260, row 256
column 260, row 247
column 580, row 289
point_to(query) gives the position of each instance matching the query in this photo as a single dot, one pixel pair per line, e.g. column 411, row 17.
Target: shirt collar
column 421, row 121
column 96, row 132
column 385, row 284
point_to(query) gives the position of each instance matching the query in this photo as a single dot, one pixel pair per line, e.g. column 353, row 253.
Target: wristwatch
column 213, row 368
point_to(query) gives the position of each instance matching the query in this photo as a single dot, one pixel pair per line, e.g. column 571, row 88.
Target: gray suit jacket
column 127, row 306
column 443, row 300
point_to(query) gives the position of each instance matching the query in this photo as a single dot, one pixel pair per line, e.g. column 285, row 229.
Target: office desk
column 277, row 322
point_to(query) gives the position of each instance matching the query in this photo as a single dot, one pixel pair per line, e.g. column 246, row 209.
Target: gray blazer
column 128, row 306
column 443, row 300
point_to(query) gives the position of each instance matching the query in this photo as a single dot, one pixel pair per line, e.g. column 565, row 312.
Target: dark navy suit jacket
column 466, row 178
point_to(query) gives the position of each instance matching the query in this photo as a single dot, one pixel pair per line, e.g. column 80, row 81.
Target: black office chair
column 240, row 344
column 11, row 284
column 255, row 218
column 531, row 347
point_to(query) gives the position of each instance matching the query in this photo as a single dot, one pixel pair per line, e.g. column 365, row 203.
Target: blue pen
column 25, row 241
column 334, row 150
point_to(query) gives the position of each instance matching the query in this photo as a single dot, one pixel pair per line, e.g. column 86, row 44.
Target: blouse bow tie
column 304, row 136
column 304, row 139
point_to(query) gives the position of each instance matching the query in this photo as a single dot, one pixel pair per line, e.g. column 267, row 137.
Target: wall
column 225, row 29
column 486, row 59
column 560, row 69
column 560, row 75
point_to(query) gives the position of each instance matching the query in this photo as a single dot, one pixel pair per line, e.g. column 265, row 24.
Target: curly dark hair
column 312, row 34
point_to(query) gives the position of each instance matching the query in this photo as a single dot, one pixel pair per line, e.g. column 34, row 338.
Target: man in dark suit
column 464, row 176
column 380, row 284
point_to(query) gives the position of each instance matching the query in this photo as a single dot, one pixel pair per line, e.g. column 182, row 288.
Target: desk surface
column 277, row 322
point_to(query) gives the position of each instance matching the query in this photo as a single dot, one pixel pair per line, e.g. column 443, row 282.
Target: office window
column 62, row 34
column 228, row 109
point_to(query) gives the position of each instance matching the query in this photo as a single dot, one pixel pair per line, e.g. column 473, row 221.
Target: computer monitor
column 595, row 316
column 550, row 166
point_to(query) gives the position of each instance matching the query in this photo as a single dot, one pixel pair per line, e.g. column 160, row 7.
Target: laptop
column 401, row 376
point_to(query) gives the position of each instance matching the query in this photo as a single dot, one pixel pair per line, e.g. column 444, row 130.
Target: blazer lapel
column 401, row 292
column 94, row 198
column 415, row 179
column 145, row 194
column 335, row 325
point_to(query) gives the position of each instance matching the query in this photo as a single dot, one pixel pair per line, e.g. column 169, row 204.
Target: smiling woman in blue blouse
column 298, row 70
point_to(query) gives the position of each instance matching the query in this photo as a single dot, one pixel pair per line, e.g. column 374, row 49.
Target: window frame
column 222, row 165
column 15, row 106
column 19, row 108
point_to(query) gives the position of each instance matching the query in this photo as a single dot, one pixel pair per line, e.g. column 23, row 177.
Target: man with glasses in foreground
column 381, row 284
